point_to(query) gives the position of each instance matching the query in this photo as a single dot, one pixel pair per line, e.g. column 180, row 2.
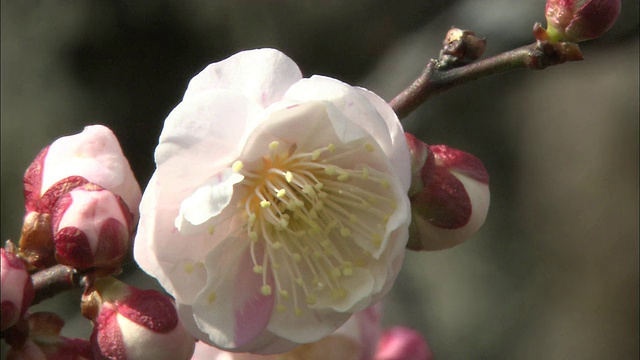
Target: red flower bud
column 580, row 20
column 401, row 343
column 17, row 289
column 134, row 324
column 449, row 196
column 92, row 228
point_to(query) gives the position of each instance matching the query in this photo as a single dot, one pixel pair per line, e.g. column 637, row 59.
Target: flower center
column 312, row 219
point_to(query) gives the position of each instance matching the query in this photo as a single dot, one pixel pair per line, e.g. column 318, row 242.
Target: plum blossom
column 449, row 195
column 279, row 204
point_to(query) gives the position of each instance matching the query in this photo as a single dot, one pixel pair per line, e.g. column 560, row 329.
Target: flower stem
column 440, row 75
column 54, row 280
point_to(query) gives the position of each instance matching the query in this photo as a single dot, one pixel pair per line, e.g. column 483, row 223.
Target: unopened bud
column 401, row 343
column 136, row 324
column 92, row 228
column 461, row 47
column 450, row 201
column 580, row 20
column 94, row 155
column 17, row 289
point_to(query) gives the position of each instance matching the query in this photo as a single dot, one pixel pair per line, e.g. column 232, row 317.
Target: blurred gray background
column 553, row 274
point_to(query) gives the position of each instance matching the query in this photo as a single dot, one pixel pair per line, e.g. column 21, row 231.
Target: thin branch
column 49, row 282
column 443, row 74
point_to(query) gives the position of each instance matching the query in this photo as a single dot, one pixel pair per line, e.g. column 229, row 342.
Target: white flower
column 279, row 204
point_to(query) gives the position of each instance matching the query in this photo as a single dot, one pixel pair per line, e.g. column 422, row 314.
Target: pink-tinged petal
column 57, row 191
column 444, row 201
column 92, row 228
column 451, row 198
column 33, row 181
column 150, row 309
column 135, row 324
column 207, row 202
column 576, row 21
column 106, row 337
column 460, row 162
column 397, row 151
column 94, row 154
column 179, row 269
column 233, row 315
column 204, row 351
column 261, row 75
column 216, row 117
column 73, row 248
column 594, row 18
column 17, row 289
column 438, row 238
column 144, row 344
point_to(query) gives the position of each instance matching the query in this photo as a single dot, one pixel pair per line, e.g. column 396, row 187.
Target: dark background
column 553, row 274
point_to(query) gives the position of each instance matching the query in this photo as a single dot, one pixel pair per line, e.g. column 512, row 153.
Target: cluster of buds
column 81, row 202
column 449, row 195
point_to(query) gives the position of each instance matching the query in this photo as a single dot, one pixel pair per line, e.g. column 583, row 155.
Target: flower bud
column 580, row 20
column 134, row 324
column 94, row 155
column 17, row 289
column 450, row 198
column 401, row 343
column 45, row 343
column 92, row 228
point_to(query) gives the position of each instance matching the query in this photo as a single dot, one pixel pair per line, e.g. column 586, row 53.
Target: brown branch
column 49, row 282
column 444, row 73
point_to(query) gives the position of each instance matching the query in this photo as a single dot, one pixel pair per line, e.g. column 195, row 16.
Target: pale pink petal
column 158, row 252
column 398, row 151
column 94, row 154
column 261, row 75
column 206, row 202
column 217, row 118
column 233, row 316
column 362, row 108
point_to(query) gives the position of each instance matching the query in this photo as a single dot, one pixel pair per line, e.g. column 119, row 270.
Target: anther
column 265, row 290
column 237, row 166
column 211, row 297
